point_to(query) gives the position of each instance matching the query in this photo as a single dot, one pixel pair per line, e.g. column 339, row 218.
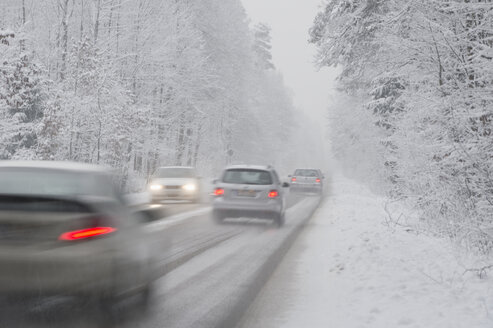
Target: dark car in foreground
column 65, row 230
column 249, row 191
column 307, row 180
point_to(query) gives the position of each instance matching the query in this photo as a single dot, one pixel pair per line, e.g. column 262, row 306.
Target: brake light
column 86, row 233
column 317, row 180
column 273, row 194
column 219, row 192
column 293, row 179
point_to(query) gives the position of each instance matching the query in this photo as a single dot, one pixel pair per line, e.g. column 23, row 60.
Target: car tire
column 109, row 303
column 218, row 217
column 17, row 298
column 104, row 302
column 145, row 298
column 279, row 219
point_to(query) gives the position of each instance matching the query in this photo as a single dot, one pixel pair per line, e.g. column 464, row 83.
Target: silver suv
column 249, row 191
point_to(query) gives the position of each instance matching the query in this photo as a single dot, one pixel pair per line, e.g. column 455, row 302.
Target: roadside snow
column 348, row 269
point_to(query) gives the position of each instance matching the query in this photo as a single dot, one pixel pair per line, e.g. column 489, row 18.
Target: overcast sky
column 290, row 21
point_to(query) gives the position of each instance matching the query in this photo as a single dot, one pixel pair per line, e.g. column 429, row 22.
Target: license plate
column 247, row 193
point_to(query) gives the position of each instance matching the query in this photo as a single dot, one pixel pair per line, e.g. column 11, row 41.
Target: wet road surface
column 208, row 273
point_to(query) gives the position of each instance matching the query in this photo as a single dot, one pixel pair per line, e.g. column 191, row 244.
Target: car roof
column 55, row 165
column 306, row 168
column 253, row 167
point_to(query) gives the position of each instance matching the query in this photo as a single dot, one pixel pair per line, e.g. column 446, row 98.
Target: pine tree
column 22, row 99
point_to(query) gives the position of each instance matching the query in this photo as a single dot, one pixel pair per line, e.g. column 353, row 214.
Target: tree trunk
column 96, row 23
column 197, row 145
column 98, row 157
column 190, row 146
column 118, row 27
column 22, row 44
column 64, row 44
column 180, row 146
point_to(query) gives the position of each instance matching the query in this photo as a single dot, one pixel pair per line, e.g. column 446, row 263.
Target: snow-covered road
column 348, row 269
column 210, row 274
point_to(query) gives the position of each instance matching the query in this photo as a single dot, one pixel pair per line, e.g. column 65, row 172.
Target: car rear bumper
column 236, row 210
column 310, row 187
column 64, row 270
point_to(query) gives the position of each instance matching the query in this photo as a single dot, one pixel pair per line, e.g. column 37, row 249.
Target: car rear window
column 247, row 176
column 306, row 173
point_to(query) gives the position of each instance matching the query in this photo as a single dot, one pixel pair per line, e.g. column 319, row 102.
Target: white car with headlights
column 175, row 183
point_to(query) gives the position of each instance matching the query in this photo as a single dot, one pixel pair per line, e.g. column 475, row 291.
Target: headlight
column 155, row 187
column 190, row 187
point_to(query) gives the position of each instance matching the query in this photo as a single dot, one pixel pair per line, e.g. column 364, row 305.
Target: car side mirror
column 285, row 185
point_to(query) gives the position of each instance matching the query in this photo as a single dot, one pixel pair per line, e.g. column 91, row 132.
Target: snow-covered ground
column 348, row 269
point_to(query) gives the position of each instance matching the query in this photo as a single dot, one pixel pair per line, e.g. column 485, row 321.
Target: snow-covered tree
column 22, row 98
column 262, row 46
column 137, row 84
column 427, row 67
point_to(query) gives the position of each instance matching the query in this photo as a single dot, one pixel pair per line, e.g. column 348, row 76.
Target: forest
column 415, row 107
column 138, row 84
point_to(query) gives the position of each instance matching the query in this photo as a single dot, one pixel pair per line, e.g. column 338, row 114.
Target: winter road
column 209, row 274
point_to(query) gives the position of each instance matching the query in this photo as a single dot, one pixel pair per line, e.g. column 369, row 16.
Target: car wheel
column 104, row 302
column 110, row 303
column 145, row 298
column 218, row 217
column 279, row 219
column 17, row 299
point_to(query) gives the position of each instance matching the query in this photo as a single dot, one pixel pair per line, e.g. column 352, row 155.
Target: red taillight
column 219, row 192
column 273, row 194
column 317, row 180
column 86, row 233
column 293, row 179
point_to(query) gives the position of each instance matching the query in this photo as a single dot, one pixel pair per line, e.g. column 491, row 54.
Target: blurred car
column 249, row 191
column 307, row 180
column 65, row 230
column 175, row 183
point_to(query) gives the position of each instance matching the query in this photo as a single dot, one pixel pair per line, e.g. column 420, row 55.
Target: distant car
column 175, row 183
column 249, row 191
column 307, row 180
column 65, row 230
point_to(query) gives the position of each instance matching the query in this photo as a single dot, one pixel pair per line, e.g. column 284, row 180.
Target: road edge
column 264, row 272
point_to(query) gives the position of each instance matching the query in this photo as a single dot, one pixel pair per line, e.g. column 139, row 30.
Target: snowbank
column 348, row 269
